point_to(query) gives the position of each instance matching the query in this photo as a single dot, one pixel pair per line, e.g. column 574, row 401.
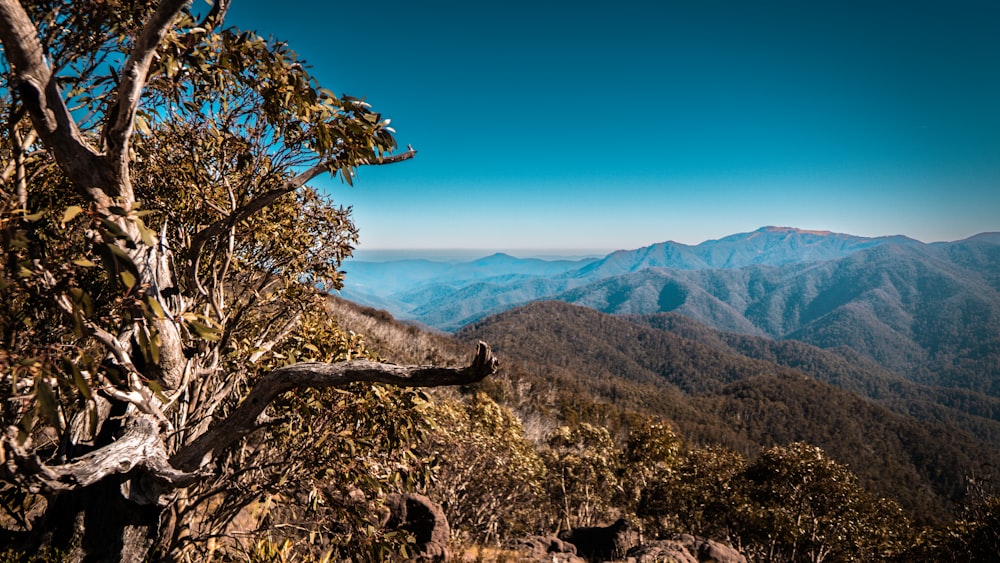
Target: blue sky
column 554, row 126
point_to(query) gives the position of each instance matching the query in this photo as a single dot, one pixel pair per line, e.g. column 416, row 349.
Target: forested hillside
column 716, row 394
column 568, row 369
column 176, row 383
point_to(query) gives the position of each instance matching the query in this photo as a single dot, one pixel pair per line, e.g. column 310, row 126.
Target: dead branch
column 140, row 447
column 246, row 418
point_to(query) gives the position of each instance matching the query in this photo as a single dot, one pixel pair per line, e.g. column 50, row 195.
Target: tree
column 160, row 244
column 703, row 495
column 807, row 507
column 582, row 463
column 488, row 475
column 650, row 455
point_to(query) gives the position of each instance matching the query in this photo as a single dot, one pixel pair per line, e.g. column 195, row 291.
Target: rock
column 599, row 543
column 685, row 548
column 545, row 548
column 424, row 519
column 662, row 550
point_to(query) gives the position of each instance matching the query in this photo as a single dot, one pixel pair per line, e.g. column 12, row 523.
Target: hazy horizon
column 468, row 254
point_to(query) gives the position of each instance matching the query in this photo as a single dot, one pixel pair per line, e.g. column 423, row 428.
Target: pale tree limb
column 248, row 415
column 40, row 94
column 133, row 78
column 216, row 15
column 139, row 447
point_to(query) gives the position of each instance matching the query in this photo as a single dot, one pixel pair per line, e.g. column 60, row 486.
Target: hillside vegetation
column 718, row 428
column 715, row 394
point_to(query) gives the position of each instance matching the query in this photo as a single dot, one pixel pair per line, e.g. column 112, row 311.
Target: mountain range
column 884, row 352
column 929, row 313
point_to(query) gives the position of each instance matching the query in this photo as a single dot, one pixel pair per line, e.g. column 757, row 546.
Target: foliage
column 752, row 501
column 703, row 495
column 327, row 497
column 488, row 477
column 161, row 255
column 972, row 538
column 811, row 508
column 744, row 394
column 790, row 504
column 583, row 464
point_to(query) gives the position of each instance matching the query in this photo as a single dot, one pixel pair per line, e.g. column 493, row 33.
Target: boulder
column 685, row 548
column 545, row 548
column 661, row 550
column 424, row 519
column 599, row 543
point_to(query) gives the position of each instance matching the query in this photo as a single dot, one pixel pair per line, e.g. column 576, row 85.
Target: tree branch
column 245, row 418
column 216, row 15
column 268, row 198
column 40, row 95
column 133, row 79
column 139, row 447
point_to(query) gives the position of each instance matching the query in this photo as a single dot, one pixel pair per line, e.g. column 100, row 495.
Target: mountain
column 914, row 309
column 447, row 295
column 743, row 392
column 766, row 246
column 929, row 313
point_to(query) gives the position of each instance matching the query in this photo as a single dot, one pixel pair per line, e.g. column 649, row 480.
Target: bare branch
column 40, row 94
column 139, row 447
column 246, row 418
column 133, row 79
column 400, row 157
column 216, row 15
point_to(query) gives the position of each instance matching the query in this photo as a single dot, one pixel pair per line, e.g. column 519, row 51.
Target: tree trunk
column 96, row 525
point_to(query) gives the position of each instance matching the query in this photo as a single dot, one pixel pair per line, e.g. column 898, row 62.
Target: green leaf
column 113, row 228
column 154, row 307
column 158, row 391
column 142, row 126
column 47, row 406
column 127, row 278
column 149, row 344
column 70, row 213
column 81, row 301
column 204, row 331
column 117, row 263
column 148, row 235
column 81, row 382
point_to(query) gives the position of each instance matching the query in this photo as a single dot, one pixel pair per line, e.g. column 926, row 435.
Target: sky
column 549, row 127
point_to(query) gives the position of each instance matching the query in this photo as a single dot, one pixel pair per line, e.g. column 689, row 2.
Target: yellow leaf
column 127, row 278
column 71, row 212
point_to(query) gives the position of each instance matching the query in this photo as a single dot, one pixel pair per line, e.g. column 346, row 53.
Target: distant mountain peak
column 772, row 229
